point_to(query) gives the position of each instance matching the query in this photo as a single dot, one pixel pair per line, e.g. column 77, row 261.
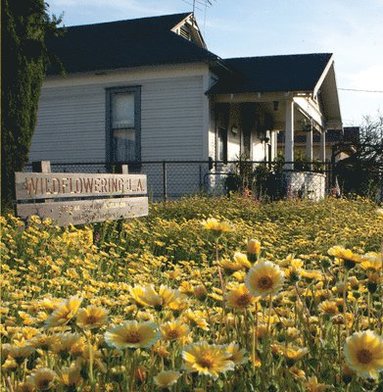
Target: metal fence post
column 164, row 181
column 200, row 179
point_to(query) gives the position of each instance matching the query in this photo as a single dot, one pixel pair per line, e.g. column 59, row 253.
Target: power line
column 361, row 90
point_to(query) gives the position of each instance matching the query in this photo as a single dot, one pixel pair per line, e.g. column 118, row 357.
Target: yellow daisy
column 347, row 255
column 92, row 317
column 207, row 359
column 132, row 334
column 71, row 376
column 312, row 385
column 239, row 297
column 166, row 378
column 237, row 354
column 253, row 247
column 264, row 278
column 43, row 379
column 148, row 296
column 215, row 225
column 328, row 308
column 174, row 330
column 64, row 312
column 372, row 261
column 363, row 352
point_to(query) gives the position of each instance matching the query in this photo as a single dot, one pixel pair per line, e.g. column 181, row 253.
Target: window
column 123, row 132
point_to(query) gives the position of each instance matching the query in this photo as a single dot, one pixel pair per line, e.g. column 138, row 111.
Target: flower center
column 91, row 319
column 265, row 283
column 206, row 361
column 243, row 300
column 173, row 334
column 364, row 356
column 133, row 337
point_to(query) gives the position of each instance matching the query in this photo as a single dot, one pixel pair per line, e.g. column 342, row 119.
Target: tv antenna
column 200, row 5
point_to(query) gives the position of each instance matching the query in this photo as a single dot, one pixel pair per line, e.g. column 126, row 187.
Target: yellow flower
column 312, row 385
column 229, row 265
column 372, row 261
column 174, row 330
column 92, row 317
column 70, row 376
column 264, row 278
column 166, row 379
column 132, row 334
column 347, row 255
column 215, row 225
column 68, row 342
column 26, row 386
column 328, row 307
column 363, row 352
column 196, row 319
column 237, row 354
column 19, row 352
column 239, row 297
column 42, row 379
column 242, row 259
column 291, row 353
column 207, row 359
column 253, row 247
column 148, row 296
column 64, row 312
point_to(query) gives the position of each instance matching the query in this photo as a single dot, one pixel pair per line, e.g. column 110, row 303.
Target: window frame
column 136, row 90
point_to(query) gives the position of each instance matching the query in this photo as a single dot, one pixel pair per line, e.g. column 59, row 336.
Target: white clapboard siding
column 71, row 118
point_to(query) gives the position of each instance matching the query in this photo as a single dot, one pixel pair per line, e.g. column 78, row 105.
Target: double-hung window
column 123, row 134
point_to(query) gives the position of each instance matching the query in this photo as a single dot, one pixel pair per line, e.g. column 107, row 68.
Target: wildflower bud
column 253, row 249
column 338, row 319
column 372, row 287
column 347, row 374
column 117, row 373
column 140, row 374
column 200, row 292
column 349, row 264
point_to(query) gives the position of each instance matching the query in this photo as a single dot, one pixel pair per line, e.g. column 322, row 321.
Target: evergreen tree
column 26, row 27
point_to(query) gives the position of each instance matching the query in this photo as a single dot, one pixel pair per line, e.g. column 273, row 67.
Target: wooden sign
column 80, row 198
column 63, row 185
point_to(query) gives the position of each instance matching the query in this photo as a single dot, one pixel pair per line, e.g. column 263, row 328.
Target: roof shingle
column 124, row 44
column 298, row 72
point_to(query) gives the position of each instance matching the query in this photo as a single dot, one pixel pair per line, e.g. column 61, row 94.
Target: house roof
column 124, row 44
column 299, row 72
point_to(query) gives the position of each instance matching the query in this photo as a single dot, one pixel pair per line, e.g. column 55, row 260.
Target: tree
column 26, row 27
column 362, row 172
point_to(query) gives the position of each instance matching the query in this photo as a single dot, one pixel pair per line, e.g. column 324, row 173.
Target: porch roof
column 300, row 72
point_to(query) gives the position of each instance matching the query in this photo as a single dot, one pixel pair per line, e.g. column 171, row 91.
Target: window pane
column 123, row 110
column 124, row 143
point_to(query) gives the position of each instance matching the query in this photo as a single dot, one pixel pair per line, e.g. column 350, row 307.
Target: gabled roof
column 299, row 72
column 124, row 44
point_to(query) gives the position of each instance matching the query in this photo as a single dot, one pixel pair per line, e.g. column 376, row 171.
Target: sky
column 350, row 29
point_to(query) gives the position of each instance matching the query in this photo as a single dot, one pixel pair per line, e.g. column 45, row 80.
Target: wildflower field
column 204, row 294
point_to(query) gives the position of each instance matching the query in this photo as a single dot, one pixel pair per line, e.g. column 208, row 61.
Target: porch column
column 309, row 146
column 322, row 151
column 289, row 135
column 274, row 145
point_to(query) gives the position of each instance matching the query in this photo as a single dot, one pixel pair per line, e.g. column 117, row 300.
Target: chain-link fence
column 173, row 179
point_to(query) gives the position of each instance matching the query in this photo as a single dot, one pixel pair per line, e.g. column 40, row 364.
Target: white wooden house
column 149, row 90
